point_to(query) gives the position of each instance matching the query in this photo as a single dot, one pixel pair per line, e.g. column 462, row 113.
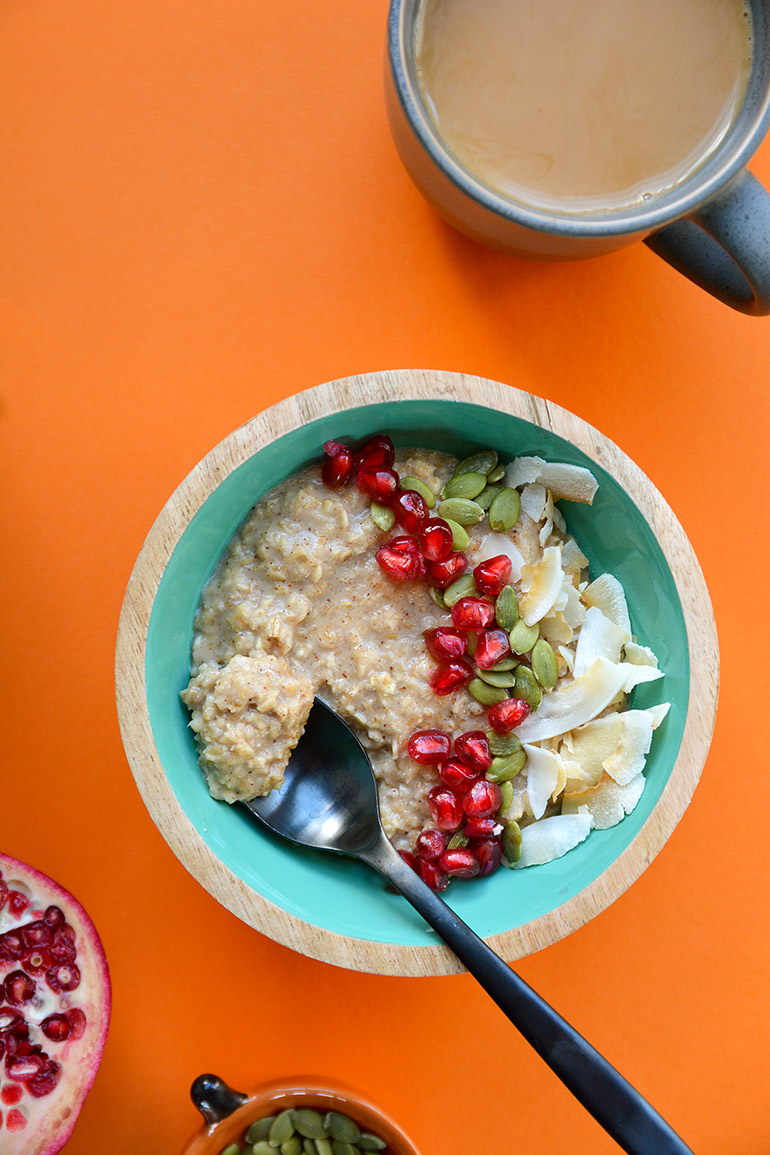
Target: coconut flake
column 607, row 803
column 550, row 838
column 575, row 703
column 541, row 585
column 570, row 481
column 599, row 638
column 639, row 655
column 543, row 774
column 533, row 501
column 608, row 595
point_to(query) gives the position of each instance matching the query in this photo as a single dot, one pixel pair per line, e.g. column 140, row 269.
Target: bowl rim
column 236, row 448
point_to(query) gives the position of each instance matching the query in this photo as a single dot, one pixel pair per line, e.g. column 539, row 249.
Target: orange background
column 202, row 212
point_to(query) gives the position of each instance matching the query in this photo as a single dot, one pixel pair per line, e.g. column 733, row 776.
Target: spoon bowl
column 329, row 801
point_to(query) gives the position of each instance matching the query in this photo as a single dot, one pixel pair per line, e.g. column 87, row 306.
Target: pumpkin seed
column 511, row 841
column 488, row 495
column 382, row 516
column 523, row 637
column 369, row 1142
column 292, row 1146
column 503, row 769
column 504, row 511
column 471, row 641
column 281, row 1129
column 308, row 1123
column 544, row 664
column 502, row 678
column 263, row 1148
column 231, row 1149
column 526, row 687
column 461, row 509
column 259, row 1129
column 465, row 485
column 487, row 695
column 341, row 1148
column 460, row 539
column 509, row 663
column 496, row 474
column 438, row 597
column 458, row 841
column 506, row 609
column 419, row 486
column 462, row 587
column 309, row 1147
column 324, row 1146
column 506, row 797
column 501, row 745
column 483, row 461
column 341, row 1127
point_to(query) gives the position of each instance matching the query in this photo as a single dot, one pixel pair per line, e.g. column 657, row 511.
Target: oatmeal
column 449, row 618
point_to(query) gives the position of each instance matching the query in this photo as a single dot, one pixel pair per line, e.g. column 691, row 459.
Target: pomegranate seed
column 429, row 747
column 19, row 988
column 17, row 902
column 400, row 559
column 491, row 575
column 457, row 775
column 489, row 853
column 461, row 862
column 11, row 946
column 491, row 647
column 45, row 1080
column 482, row 828
column 444, row 642
column 53, row 917
column 25, row 1067
column 483, row 799
column 10, row 1019
column 11, row 1093
column 77, row 1021
column 432, row 876
column 37, row 960
column 56, row 1027
column 36, row 934
column 378, row 484
column 472, row 614
column 15, row 1120
column 506, row 716
column 429, row 845
column 436, row 539
column 378, row 453
column 333, row 448
column 408, row 858
column 451, row 676
column 338, row 469
column 443, row 573
column 445, row 807
column 410, row 510
column 65, row 977
column 473, row 748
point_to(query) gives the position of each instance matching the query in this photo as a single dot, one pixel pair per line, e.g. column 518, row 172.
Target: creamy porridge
column 315, row 595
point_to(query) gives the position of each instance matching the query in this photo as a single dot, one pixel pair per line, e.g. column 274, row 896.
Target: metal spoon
column 329, row 801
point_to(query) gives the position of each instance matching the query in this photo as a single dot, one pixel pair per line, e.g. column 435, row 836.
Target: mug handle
column 724, row 247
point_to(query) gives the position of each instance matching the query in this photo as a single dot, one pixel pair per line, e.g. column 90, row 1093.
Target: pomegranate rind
column 52, row 1118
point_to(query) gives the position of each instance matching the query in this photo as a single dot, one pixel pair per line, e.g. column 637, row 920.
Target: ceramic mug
column 714, row 226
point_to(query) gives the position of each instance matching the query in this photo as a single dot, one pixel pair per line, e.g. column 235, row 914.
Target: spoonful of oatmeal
column 329, row 801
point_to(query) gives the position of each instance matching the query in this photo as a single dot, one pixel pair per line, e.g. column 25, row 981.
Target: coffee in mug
column 583, row 105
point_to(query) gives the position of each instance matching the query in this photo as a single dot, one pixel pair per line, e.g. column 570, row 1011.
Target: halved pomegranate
column 55, row 1002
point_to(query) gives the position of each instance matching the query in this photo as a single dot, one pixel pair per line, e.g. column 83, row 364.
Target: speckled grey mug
column 714, row 226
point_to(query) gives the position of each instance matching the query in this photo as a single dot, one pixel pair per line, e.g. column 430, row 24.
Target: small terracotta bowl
column 227, row 1113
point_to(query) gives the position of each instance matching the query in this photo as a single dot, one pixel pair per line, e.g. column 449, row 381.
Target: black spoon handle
column 612, row 1101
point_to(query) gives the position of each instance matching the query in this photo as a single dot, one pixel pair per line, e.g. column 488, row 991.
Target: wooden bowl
column 335, row 909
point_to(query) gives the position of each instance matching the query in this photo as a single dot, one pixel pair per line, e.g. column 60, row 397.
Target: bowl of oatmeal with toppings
column 495, row 599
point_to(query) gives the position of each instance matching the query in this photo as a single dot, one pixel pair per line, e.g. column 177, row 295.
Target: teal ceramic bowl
column 334, row 908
